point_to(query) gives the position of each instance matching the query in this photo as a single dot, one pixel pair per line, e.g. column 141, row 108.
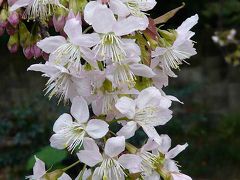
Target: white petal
column 65, row 120
column 91, row 158
column 79, row 109
column 130, row 25
column 87, row 40
column 175, row 151
column 148, row 97
column 119, row 8
column 188, row 23
column 114, row 146
column 142, row 70
column 38, row 168
column 64, row 176
column 180, row 176
column 97, row 128
column 152, row 133
column 58, row 141
column 126, row 106
column 96, row 175
column 20, row 3
column 73, row 29
column 170, row 165
column 147, row 5
column 128, row 130
column 104, row 20
column 150, row 145
column 131, row 162
column 85, row 175
column 44, row 68
column 165, row 144
column 89, row 14
column 90, row 144
column 50, row 44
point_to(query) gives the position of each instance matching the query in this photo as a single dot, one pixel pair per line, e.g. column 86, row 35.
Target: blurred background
column 209, row 120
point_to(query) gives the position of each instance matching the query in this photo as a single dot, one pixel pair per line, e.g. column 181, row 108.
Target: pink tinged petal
column 142, row 70
column 175, row 151
column 58, row 141
column 130, row 25
column 19, row 4
column 148, row 97
column 126, row 106
column 159, row 51
column 97, row 128
column 90, row 144
column 128, row 130
column 89, row 13
column 87, row 40
column 150, row 145
column 104, row 20
column 79, row 109
column 114, row 146
column 38, row 168
column 65, row 120
column 73, row 29
column 131, row 162
column 64, row 176
column 119, row 8
column 50, row 44
column 89, row 157
column 180, row 176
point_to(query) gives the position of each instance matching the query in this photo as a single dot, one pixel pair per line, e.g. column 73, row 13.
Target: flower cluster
column 109, row 57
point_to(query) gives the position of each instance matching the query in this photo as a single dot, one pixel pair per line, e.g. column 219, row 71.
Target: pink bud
column 58, row 23
column 45, row 56
column 37, row 51
column 28, row 52
column 2, row 30
column 105, row 1
column 13, row 48
column 13, row 19
column 10, row 29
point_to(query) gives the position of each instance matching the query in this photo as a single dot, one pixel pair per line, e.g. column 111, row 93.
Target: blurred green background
column 209, row 120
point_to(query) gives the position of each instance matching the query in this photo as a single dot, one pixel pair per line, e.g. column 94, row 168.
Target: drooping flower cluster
column 109, row 56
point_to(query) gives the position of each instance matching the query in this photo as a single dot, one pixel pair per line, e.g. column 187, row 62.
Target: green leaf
column 49, row 155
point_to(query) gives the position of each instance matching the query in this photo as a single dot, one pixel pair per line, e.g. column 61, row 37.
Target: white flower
column 38, row 170
column 111, row 46
column 124, row 8
column 126, row 71
column 111, row 167
column 182, row 48
column 69, row 51
column 148, row 110
column 64, row 176
column 41, row 9
column 71, row 134
column 163, row 157
column 62, row 83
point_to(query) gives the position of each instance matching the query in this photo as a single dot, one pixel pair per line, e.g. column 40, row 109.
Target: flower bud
column 36, row 51
column 28, row 52
column 53, row 175
column 13, row 43
column 24, row 35
column 3, row 18
column 10, row 29
column 58, row 23
column 13, row 19
column 170, row 36
column 2, row 30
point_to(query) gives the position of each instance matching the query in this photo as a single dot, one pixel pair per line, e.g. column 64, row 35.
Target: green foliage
column 49, row 155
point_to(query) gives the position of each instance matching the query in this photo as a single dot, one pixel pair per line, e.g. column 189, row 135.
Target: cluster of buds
column 230, row 44
column 109, row 56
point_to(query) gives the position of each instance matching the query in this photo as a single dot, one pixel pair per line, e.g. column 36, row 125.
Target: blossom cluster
column 111, row 62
